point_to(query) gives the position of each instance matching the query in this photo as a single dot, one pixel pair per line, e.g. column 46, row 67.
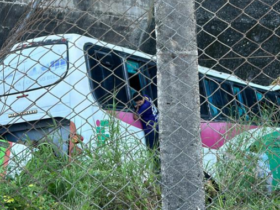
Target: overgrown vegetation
column 116, row 175
column 247, row 166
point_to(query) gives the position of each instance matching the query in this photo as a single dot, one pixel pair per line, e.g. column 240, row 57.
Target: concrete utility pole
column 181, row 147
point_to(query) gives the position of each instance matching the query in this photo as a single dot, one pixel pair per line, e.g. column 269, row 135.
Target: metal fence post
column 182, row 173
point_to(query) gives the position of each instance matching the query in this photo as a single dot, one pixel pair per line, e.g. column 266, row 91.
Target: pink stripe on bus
column 128, row 118
column 214, row 135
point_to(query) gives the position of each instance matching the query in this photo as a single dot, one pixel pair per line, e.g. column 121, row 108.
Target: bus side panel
column 102, row 126
column 215, row 134
column 271, row 147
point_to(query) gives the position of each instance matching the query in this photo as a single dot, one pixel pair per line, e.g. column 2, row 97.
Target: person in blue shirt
column 147, row 112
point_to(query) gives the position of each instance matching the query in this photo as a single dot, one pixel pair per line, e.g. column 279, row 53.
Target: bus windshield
column 32, row 68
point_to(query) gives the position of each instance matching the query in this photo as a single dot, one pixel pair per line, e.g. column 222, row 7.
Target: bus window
column 203, row 103
column 252, row 102
column 214, row 97
column 277, row 111
column 272, row 106
column 240, row 102
column 271, row 99
column 278, row 100
column 267, row 103
column 220, row 97
column 142, row 78
column 266, row 100
column 152, row 81
column 150, row 77
column 262, row 104
column 107, row 77
column 134, row 76
column 33, row 68
column 259, row 96
column 227, row 96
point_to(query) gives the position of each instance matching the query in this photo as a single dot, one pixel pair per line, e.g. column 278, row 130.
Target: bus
column 69, row 81
column 74, row 81
column 237, row 116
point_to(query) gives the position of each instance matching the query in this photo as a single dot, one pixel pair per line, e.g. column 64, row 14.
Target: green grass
column 111, row 176
column 119, row 174
column 236, row 170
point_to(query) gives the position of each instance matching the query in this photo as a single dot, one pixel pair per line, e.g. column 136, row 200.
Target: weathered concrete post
column 182, row 173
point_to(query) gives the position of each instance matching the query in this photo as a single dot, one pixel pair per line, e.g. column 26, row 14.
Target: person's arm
column 135, row 114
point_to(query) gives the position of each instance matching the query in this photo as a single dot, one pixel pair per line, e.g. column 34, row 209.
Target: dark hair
column 137, row 97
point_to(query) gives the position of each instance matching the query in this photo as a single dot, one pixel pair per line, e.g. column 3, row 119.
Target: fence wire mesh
column 81, row 83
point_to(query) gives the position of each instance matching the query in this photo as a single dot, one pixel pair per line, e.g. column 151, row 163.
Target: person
column 147, row 112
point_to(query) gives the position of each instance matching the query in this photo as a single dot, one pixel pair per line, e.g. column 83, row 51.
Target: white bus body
column 49, row 78
column 46, row 79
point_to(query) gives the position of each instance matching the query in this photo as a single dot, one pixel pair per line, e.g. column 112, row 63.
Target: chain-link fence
column 103, row 105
